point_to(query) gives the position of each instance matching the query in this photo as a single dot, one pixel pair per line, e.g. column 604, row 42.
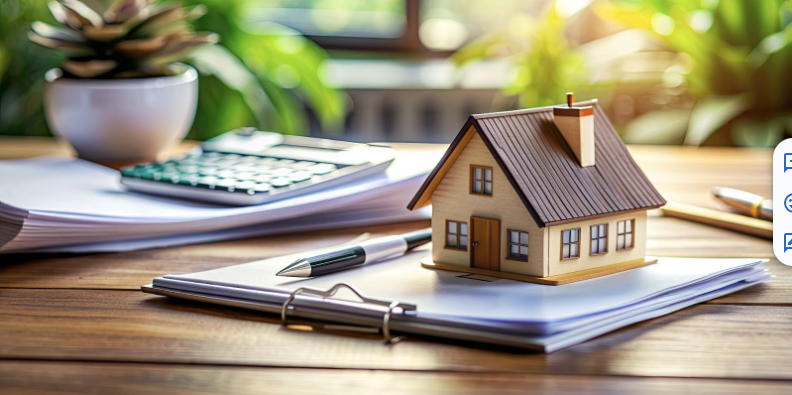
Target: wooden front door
column 485, row 253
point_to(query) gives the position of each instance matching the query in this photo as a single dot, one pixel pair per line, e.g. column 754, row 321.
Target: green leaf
column 711, row 113
column 218, row 61
column 759, row 133
column 657, row 127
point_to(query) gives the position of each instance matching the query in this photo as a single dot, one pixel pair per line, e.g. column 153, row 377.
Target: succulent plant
column 128, row 39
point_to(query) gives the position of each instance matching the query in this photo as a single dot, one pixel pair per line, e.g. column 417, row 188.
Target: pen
column 358, row 254
column 745, row 202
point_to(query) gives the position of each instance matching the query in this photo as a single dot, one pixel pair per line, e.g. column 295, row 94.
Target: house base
column 550, row 280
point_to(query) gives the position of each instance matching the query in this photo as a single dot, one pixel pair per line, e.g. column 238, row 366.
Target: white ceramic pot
column 121, row 121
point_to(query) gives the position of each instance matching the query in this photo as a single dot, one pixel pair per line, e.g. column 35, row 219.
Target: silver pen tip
column 299, row 268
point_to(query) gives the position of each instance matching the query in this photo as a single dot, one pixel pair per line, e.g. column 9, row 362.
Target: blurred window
column 440, row 26
column 338, row 18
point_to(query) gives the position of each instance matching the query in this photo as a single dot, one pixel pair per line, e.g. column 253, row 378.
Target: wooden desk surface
column 79, row 324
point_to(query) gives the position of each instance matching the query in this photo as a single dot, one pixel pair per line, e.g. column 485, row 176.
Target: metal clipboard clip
column 391, row 306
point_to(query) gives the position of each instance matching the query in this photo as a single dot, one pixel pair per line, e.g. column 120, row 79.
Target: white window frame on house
column 599, row 239
column 456, row 235
column 570, row 244
column 625, row 235
column 480, row 180
column 516, row 244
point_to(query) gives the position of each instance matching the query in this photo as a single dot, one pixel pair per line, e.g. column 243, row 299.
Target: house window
column 457, row 235
column 599, row 239
column 518, row 245
column 570, row 243
column 624, row 234
column 481, row 180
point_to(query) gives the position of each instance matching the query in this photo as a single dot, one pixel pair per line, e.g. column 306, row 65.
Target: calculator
column 247, row 166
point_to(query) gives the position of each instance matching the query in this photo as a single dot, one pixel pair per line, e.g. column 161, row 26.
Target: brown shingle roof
column 545, row 173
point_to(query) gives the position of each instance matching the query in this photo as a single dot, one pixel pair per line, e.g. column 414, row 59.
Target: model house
column 548, row 195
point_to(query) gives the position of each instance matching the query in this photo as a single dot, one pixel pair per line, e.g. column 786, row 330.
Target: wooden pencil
column 721, row 219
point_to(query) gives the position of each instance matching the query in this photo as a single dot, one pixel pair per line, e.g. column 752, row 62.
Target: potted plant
column 120, row 96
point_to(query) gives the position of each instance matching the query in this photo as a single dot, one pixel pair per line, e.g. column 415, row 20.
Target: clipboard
column 376, row 310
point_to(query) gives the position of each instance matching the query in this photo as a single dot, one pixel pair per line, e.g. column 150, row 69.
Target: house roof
column 545, row 173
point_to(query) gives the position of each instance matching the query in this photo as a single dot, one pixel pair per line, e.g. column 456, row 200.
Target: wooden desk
column 79, row 324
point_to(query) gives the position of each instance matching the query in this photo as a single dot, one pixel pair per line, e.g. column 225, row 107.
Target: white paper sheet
column 48, row 203
column 444, row 293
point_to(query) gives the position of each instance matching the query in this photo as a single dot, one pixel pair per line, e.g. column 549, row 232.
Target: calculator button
column 188, row 169
column 208, row 182
column 207, row 171
column 281, row 172
column 169, row 176
column 322, row 168
column 225, row 163
column 128, row 172
column 262, row 187
column 227, row 183
column 190, row 179
column 243, row 166
column 280, row 182
column 300, row 176
column 146, row 174
column 245, row 185
column 244, row 176
column 302, row 165
column 262, row 178
column 285, row 162
column 226, row 174
column 208, row 161
column 261, row 169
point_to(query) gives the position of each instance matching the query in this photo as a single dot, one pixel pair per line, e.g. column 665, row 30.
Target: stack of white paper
column 477, row 308
column 56, row 204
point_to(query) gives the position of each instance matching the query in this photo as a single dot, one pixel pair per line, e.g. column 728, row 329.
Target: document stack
column 69, row 205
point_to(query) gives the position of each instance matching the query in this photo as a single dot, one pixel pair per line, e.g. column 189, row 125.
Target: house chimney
column 576, row 124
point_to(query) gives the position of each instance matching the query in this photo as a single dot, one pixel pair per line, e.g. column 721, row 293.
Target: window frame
column 509, row 243
column 591, row 239
column 631, row 233
column 459, row 246
column 483, row 180
column 571, row 257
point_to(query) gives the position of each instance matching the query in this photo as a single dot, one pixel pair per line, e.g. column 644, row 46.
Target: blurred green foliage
column 261, row 75
column 546, row 66
column 741, row 53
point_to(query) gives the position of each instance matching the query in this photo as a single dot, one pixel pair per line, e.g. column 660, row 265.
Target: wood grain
column 130, row 270
column 688, row 174
column 56, row 338
column 63, row 378
column 89, row 325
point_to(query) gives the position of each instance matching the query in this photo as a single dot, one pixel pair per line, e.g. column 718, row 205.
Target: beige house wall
column 586, row 261
column 452, row 200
